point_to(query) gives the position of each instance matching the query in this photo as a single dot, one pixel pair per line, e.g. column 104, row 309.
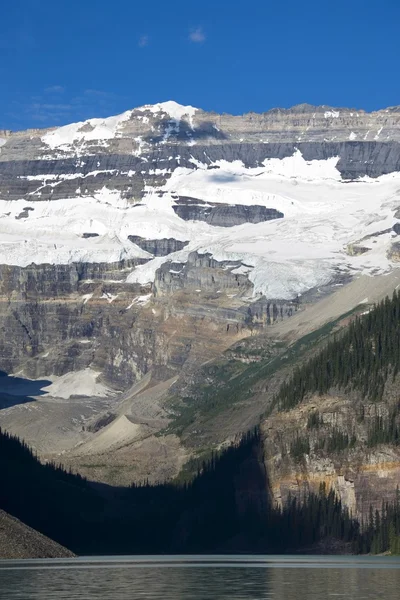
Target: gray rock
column 89, row 235
column 160, row 247
column 17, row 541
column 203, row 273
column 222, row 215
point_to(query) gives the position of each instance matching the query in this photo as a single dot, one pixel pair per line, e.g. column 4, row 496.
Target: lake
column 202, row 578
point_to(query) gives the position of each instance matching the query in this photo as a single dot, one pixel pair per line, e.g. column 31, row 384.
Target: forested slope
column 225, row 508
column 361, row 358
column 336, row 419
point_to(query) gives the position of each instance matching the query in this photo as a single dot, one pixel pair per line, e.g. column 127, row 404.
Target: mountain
column 162, row 271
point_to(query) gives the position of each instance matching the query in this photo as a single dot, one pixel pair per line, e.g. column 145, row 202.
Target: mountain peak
column 173, row 109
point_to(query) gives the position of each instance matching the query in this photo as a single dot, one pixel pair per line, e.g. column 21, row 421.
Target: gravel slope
column 17, row 540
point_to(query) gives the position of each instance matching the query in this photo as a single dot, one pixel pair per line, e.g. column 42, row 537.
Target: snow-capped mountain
column 294, row 194
column 139, row 255
column 169, row 212
column 136, row 248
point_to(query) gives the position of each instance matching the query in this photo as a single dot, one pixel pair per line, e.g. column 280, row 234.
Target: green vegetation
column 359, row 359
column 382, row 532
column 196, row 465
column 220, row 501
column 321, row 516
column 44, row 496
column 336, row 441
column 385, row 431
column 299, row 447
column 317, row 517
column 314, row 420
column 223, row 384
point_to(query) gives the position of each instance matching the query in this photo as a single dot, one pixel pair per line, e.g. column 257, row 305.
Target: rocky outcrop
column 70, row 317
column 223, row 215
column 357, row 249
column 49, row 281
column 61, row 318
column 160, row 247
column 301, row 453
column 87, row 235
column 266, row 312
column 202, row 273
column 62, row 177
column 394, row 252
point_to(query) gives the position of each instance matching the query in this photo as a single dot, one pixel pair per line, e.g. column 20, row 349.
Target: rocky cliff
column 61, row 318
column 301, row 454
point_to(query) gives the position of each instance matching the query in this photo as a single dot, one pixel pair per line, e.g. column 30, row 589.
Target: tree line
column 361, row 358
column 224, row 508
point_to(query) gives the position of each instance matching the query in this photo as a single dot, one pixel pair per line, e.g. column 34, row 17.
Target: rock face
column 161, row 247
column 394, row 252
column 63, row 177
column 360, row 475
column 62, row 318
column 17, row 541
column 113, row 179
column 202, row 272
column 223, row 215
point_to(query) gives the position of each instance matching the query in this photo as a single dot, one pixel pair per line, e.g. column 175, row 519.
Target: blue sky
column 63, row 61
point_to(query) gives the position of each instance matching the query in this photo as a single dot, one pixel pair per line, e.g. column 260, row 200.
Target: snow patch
column 85, row 131
column 77, row 383
column 65, row 176
column 333, row 114
column 176, row 111
column 140, row 300
column 109, row 297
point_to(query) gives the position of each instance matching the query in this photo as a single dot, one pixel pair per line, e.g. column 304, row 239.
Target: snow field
column 288, row 256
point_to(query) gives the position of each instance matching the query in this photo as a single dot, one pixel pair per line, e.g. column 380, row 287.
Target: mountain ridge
column 300, row 107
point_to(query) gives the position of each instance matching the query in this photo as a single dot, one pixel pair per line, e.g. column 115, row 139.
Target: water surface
column 202, row 578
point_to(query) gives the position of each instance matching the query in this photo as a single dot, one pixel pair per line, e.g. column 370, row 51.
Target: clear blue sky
column 68, row 60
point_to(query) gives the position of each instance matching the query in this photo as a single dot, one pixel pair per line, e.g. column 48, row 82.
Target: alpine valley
column 171, row 279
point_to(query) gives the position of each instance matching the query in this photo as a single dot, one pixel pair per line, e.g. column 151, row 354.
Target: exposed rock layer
column 158, row 247
column 149, row 145
column 223, row 215
column 361, row 476
column 61, row 318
